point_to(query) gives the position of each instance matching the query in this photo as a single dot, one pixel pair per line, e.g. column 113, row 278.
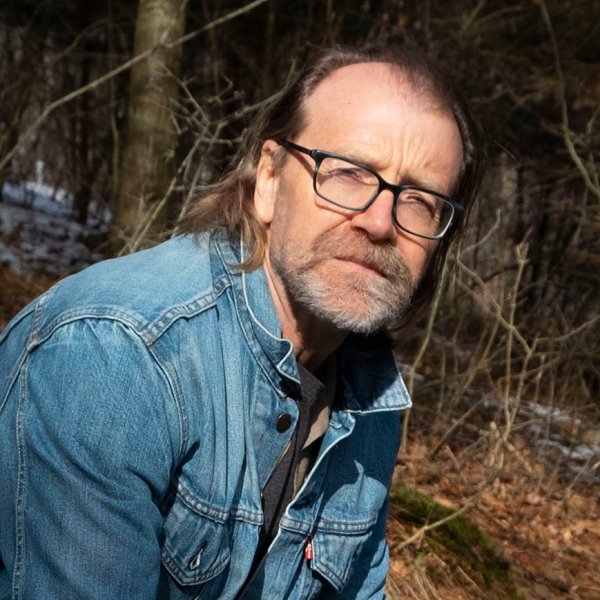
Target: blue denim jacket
column 138, row 410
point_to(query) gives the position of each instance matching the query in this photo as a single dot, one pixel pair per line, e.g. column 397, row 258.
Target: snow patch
column 39, row 233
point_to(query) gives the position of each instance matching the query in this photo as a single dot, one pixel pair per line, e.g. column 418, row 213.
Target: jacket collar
column 258, row 317
column 370, row 381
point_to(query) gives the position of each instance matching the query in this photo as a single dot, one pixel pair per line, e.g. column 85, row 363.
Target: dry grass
column 542, row 511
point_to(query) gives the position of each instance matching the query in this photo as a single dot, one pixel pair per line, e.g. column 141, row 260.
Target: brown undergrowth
column 504, row 441
column 538, row 525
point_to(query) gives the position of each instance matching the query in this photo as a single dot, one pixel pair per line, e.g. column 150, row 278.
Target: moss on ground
column 467, row 546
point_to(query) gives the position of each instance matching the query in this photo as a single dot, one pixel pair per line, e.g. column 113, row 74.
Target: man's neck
column 314, row 339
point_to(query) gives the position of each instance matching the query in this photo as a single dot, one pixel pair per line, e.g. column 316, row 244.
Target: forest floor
column 539, row 506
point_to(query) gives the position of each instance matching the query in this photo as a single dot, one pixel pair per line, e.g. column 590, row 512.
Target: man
column 210, row 418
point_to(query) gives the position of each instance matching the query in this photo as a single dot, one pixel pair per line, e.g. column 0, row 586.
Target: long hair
column 229, row 203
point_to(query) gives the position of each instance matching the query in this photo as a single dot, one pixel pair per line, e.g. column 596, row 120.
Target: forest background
column 127, row 111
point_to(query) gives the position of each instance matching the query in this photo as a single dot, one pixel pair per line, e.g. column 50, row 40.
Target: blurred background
column 116, row 115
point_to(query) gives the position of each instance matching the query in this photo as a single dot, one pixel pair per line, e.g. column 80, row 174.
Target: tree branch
column 120, row 69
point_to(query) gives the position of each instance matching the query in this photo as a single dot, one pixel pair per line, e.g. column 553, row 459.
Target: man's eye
column 421, row 202
column 347, row 173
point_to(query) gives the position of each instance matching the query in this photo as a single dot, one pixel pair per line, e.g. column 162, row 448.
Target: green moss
column 470, row 547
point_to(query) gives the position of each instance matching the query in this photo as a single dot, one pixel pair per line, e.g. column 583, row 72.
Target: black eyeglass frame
column 320, row 155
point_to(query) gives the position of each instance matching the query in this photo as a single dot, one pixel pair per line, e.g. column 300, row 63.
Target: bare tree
column 148, row 162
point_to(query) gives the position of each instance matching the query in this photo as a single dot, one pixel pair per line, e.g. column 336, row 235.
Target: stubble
column 351, row 299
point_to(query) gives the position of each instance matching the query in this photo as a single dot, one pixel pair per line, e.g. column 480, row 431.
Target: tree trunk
column 148, row 164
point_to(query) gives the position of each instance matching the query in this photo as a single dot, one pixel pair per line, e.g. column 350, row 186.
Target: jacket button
column 284, row 422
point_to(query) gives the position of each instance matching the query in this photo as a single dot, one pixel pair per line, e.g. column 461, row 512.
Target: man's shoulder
column 146, row 290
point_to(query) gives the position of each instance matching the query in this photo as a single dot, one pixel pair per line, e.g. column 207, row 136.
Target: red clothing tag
column 308, row 550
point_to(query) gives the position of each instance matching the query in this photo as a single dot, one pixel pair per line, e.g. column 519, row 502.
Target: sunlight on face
column 358, row 270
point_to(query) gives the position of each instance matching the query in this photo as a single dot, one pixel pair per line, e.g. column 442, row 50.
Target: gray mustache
column 386, row 258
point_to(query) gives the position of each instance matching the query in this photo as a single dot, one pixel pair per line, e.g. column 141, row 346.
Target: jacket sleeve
column 96, row 437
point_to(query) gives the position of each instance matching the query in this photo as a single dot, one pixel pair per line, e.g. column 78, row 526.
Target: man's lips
column 362, row 264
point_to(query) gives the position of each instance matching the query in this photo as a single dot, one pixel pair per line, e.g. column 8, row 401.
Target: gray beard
column 361, row 304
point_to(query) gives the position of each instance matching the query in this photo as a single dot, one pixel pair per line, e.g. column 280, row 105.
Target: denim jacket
column 139, row 402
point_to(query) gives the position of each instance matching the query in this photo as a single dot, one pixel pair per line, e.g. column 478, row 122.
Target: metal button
column 284, row 422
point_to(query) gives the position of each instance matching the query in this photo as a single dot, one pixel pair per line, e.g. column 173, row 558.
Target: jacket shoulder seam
column 148, row 331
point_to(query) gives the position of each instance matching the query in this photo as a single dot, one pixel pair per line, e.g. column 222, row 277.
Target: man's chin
column 359, row 301
column 355, row 317
column 355, row 270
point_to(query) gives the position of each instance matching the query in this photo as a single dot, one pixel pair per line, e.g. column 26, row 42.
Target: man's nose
column 376, row 220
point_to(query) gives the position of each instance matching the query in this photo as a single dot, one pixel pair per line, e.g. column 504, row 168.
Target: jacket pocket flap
column 196, row 546
column 335, row 550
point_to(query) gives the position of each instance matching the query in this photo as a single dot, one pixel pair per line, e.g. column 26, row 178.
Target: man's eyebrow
column 368, row 159
column 364, row 156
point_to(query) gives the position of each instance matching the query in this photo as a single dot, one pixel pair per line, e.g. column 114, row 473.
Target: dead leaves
column 550, row 532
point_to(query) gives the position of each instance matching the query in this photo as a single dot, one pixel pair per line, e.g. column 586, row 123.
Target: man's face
column 355, row 270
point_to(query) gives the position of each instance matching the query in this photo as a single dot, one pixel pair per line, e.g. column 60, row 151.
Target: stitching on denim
column 148, row 332
column 14, row 322
column 281, row 364
column 173, row 384
column 323, row 569
column 37, row 318
column 209, row 511
column 257, row 353
column 88, row 313
column 21, row 490
column 175, row 390
column 11, row 379
column 308, row 583
column 171, row 376
column 182, row 576
column 326, row 572
column 156, row 328
column 349, row 528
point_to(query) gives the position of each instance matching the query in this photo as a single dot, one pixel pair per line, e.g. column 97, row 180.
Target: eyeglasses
column 353, row 186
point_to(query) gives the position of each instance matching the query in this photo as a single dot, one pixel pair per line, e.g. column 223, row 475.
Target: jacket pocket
column 336, row 546
column 196, row 542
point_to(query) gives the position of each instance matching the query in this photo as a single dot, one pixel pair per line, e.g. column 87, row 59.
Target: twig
column 470, row 503
column 488, row 234
column 521, row 254
column 567, row 133
column 472, row 16
column 48, row 110
column 421, row 352
column 497, row 313
column 452, row 428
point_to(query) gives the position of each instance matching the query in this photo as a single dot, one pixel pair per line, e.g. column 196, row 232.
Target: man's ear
column 267, row 183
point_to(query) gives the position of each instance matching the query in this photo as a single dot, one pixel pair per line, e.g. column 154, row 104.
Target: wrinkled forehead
column 375, row 113
column 366, row 102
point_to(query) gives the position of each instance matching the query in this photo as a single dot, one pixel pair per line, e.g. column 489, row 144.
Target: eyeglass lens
column 350, row 186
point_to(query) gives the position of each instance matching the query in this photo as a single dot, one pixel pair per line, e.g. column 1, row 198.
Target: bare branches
column 53, row 106
column 588, row 173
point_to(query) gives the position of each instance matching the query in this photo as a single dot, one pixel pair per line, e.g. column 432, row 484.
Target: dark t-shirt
column 288, row 476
